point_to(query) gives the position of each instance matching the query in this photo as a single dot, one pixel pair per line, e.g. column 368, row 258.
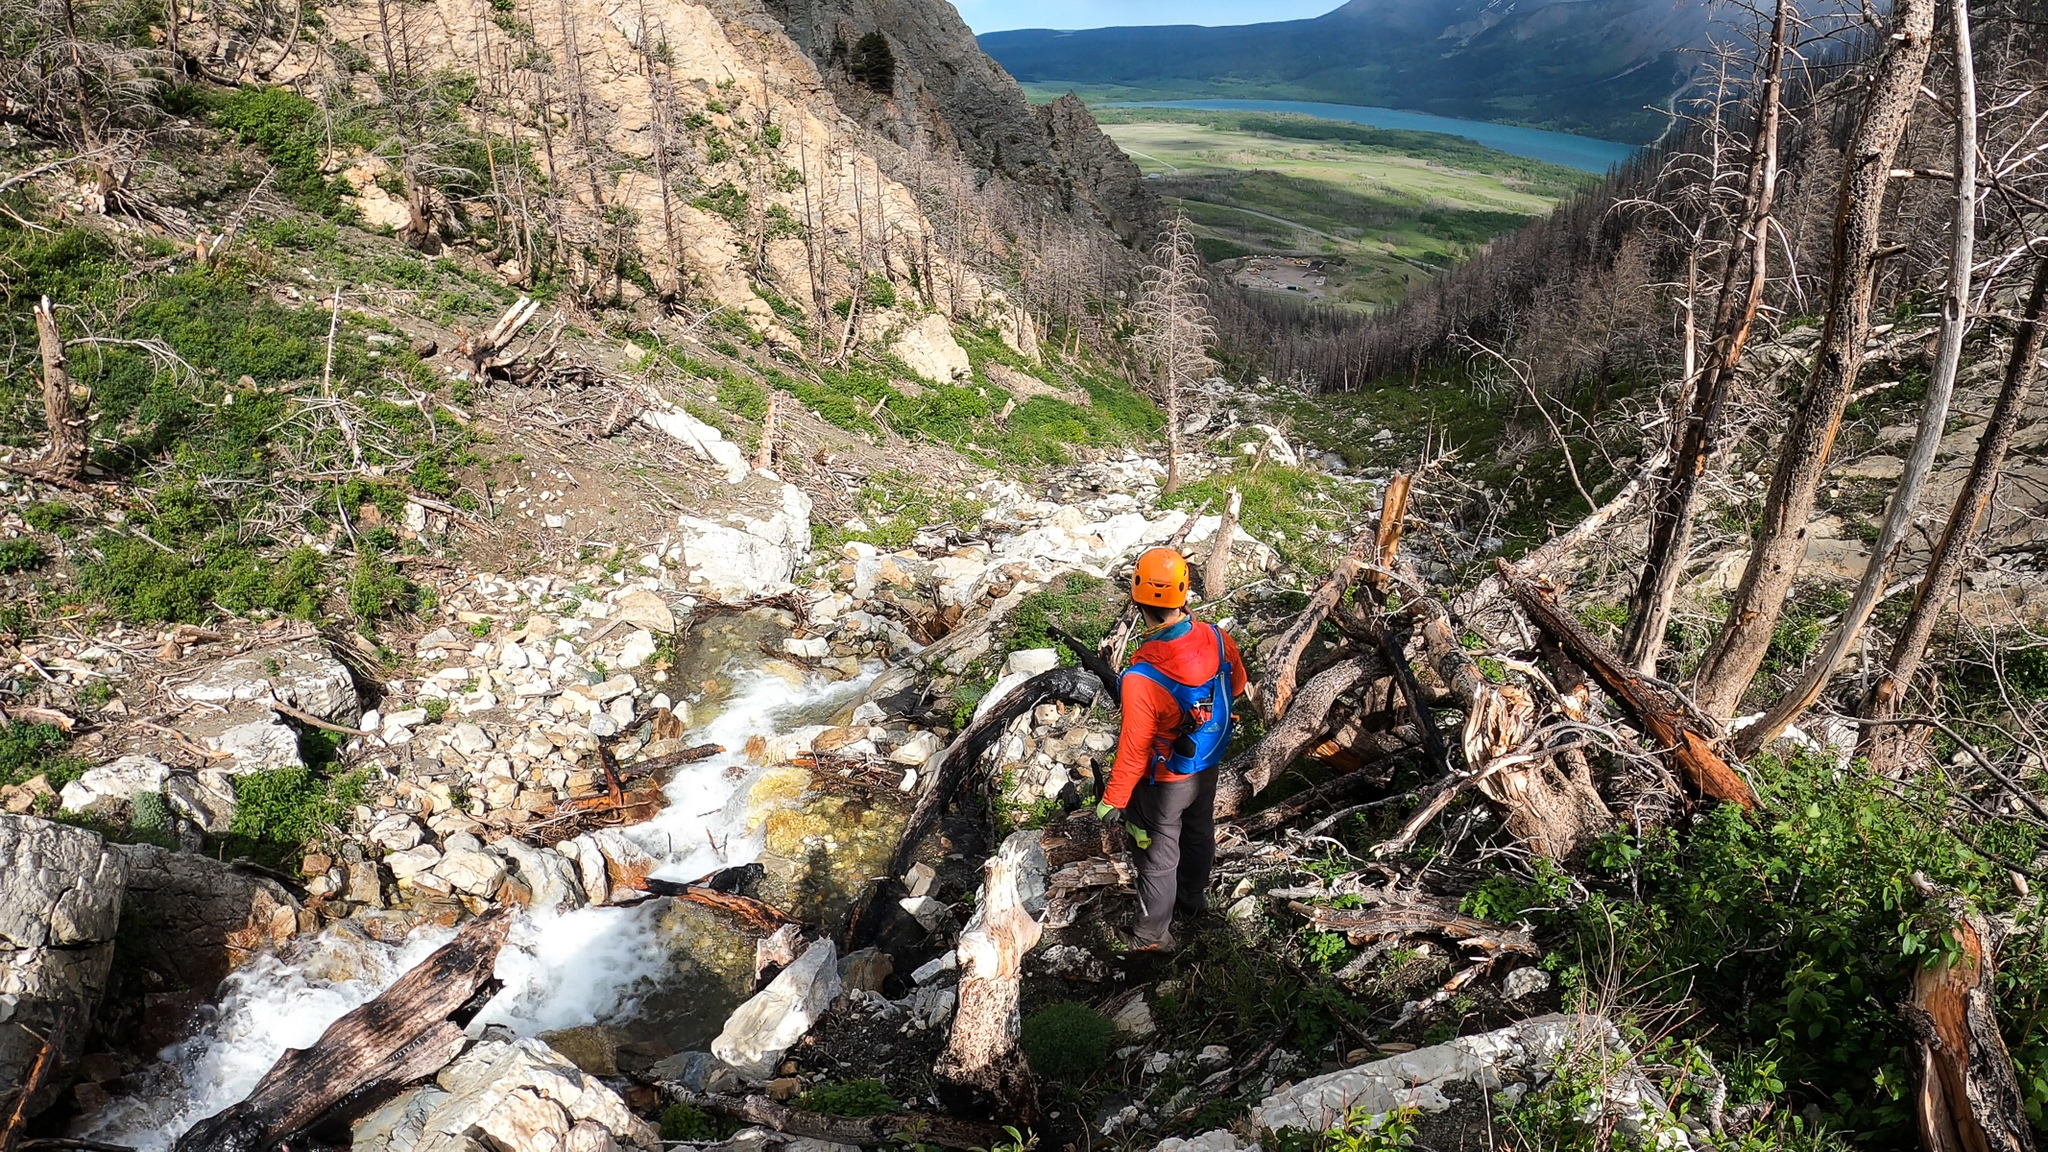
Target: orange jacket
column 1151, row 717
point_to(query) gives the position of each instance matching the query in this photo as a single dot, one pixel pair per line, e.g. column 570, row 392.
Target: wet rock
column 365, row 884
column 521, row 1095
column 807, row 647
column 113, row 784
column 590, row 867
column 60, row 907
column 549, row 877
column 592, row 1047
column 304, row 675
column 697, row 1071
column 762, row 1029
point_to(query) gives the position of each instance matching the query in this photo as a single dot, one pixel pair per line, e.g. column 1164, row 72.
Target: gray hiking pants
column 1181, row 816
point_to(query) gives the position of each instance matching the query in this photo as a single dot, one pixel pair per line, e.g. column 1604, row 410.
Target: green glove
column 1139, row 836
column 1103, row 810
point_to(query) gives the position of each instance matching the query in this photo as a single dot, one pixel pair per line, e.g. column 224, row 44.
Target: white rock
column 620, row 710
column 644, row 609
column 807, row 647
column 411, row 862
column 927, row 911
column 115, row 782
column 306, row 676
column 1031, row 661
column 930, row 969
column 929, row 349
column 396, row 722
column 749, row 557
column 396, row 833
column 761, row 1030
column 1525, row 982
column 473, row 873
column 1216, row 1140
column 472, row 739
column 707, row 442
column 916, row 751
column 909, row 780
column 1134, row 1018
column 638, row 649
column 514, row 655
column 259, row 744
column 1212, row 1057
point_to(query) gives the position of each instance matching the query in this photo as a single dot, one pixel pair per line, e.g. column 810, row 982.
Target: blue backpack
column 1205, row 714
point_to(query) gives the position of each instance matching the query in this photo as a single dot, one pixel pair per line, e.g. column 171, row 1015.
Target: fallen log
column 983, row 1059
column 720, row 892
column 913, row 1127
column 1304, row 726
column 1648, row 709
column 389, row 1041
column 1968, row 1099
column 1378, row 747
column 654, row 764
column 1073, row 685
column 1361, row 925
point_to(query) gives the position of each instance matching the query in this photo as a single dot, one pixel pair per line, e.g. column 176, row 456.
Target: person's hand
column 1139, row 836
column 1104, row 810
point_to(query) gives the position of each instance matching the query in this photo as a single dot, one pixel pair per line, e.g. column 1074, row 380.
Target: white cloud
column 998, row 15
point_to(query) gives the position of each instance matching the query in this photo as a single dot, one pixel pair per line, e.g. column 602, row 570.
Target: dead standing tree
column 1955, row 323
column 1174, row 329
column 1753, row 611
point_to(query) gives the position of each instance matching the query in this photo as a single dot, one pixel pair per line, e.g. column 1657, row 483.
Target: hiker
column 1176, row 706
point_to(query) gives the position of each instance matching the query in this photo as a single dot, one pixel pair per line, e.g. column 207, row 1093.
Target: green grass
column 1383, row 209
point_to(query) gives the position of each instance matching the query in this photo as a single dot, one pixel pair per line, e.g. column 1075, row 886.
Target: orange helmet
column 1161, row 579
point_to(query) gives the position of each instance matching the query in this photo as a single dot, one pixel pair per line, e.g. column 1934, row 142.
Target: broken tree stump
column 1968, row 1099
column 983, row 1056
column 407, row 1033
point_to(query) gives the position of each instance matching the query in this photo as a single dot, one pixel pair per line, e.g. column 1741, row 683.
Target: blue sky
column 997, row 15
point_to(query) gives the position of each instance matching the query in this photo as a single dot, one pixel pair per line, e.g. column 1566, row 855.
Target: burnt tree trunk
column 1310, row 719
column 983, row 1055
column 1731, row 662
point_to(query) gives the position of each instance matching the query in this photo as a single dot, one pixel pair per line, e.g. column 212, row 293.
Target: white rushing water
column 559, row 970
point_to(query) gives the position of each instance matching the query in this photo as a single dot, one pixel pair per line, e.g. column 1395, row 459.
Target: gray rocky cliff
column 60, row 906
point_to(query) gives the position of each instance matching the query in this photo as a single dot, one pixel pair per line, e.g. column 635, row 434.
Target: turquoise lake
column 1582, row 152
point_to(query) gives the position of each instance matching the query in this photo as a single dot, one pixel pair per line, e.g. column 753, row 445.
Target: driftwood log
column 1282, row 654
column 983, row 1055
column 721, row 892
column 1648, row 708
column 1968, row 1099
column 1307, row 722
column 1366, row 924
column 406, row 1034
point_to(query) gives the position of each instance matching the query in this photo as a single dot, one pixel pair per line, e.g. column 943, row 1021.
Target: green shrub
column 688, row 1122
column 376, row 591
column 292, row 132
column 850, row 1098
column 280, row 810
column 1085, row 607
column 1068, row 1039
column 21, row 555
column 30, row 750
column 48, row 515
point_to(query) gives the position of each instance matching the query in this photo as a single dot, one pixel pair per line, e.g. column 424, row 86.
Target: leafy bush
column 279, row 811
column 865, row 1097
column 291, row 131
column 1795, row 930
column 1067, row 1039
column 688, row 1122
column 1085, row 607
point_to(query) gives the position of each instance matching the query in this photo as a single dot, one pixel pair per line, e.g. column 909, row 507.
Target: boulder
column 1527, row 1053
column 644, row 609
column 206, row 799
column 697, row 1071
column 917, row 750
column 194, row 919
column 411, row 862
column 518, row 1096
column 113, row 784
column 549, row 876
column 927, row 347
column 707, row 442
column 591, row 1047
column 304, row 675
column 761, row 1030
column 396, row 833
column 60, row 907
column 746, row 556
column 472, row 872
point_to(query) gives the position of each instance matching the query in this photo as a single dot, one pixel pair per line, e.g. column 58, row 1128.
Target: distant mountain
column 1599, row 67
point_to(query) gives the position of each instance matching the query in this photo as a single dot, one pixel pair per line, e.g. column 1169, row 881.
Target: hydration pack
column 1205, row 714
